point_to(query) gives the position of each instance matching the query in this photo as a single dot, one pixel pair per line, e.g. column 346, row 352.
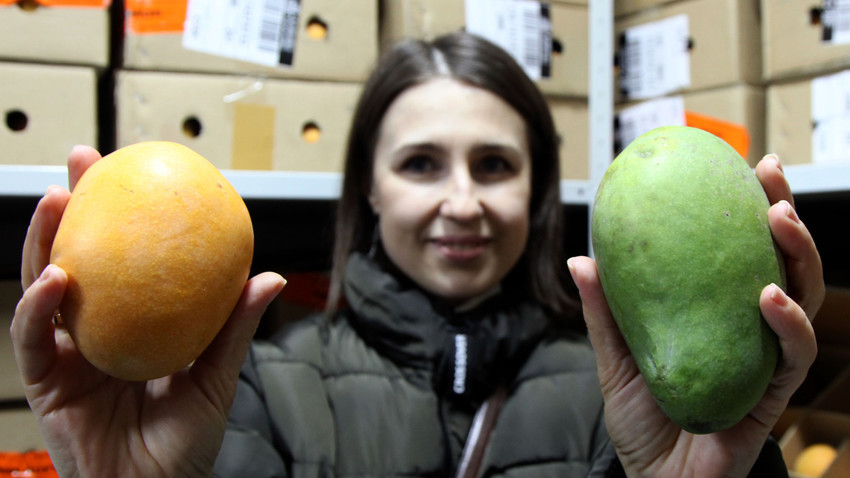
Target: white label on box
column 836, row 21
column 654, row 58
column 256, row 31
column 648, row 115
column 831, row 118
column 521, row 27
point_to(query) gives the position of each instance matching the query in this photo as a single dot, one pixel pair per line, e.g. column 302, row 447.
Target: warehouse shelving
column 34, row 180
column 289, row 189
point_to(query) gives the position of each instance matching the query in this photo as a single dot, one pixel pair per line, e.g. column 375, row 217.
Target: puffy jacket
column 389, row 388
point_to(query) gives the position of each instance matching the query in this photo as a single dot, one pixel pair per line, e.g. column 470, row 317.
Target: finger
column 804, row 269
column 224, row 357
column 798, row 345
column 32, row 328
column 40, row 233
column 80, row 159
column 772, row 177
column 605, row 336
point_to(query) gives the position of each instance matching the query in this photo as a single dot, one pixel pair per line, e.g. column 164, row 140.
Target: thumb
column 614, row 361
column 225, row 354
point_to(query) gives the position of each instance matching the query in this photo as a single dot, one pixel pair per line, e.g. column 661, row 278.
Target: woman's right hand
column 97, row 425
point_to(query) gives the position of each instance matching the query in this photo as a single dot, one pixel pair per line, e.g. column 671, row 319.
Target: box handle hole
column 16, row 120
column 311, row 133
column 317, row 29
column 192, row 127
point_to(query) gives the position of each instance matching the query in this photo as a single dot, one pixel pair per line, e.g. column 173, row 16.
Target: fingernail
column 778, row 296
column 571, row 268
column 790, row 212
column 773, row 157
column 45, row 274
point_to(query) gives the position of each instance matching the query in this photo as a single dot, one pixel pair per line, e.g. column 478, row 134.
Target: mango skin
column 683, row 247
column 157, row 245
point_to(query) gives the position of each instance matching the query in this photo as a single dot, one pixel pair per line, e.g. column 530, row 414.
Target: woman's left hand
column 647, row 441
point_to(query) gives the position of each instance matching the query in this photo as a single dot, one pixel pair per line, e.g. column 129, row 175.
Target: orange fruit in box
column 814, row 460
column 157, row 245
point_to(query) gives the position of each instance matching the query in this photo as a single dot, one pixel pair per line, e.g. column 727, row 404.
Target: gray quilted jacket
column 390, row 388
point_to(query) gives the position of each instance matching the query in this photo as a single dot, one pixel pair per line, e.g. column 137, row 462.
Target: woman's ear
column 373, row 201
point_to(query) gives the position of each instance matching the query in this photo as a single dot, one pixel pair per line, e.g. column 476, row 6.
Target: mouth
column 461, row 249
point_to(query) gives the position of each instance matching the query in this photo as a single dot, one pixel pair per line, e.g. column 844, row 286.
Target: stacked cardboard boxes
column 819, row 415
column 221, row 78
column 563, row 23
column 19, row 428
column 690, row 62
column 806, row 69
column 806, row 72
column 51, row 61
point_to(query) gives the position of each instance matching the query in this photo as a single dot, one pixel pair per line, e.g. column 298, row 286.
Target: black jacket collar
column 469, row 352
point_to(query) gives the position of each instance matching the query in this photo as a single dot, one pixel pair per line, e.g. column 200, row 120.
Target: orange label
column 155, row 16
column 33, row 464
column 733, row 133
column 59, row 3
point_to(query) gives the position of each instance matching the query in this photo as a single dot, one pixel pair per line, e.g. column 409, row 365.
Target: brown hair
column 540, row 271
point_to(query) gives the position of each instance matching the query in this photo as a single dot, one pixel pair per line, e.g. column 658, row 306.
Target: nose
column 461, row 199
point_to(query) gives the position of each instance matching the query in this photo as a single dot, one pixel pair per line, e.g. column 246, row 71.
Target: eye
column 494, row 165
column 418, row 164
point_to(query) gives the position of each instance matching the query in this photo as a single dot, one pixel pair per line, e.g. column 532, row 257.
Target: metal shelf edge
column 23, row 180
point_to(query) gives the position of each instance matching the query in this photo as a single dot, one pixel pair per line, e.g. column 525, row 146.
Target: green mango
column 683, row 247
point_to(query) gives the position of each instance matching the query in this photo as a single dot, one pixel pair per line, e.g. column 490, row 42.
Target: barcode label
column 831, row 118
column 521, row 27
column 836, row 21
column 269, row 40
column 256, row 31
column 636, row 120
column 654, row 58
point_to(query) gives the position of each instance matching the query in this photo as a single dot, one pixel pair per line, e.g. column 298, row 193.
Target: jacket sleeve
column 247, row 449
column 770, row 461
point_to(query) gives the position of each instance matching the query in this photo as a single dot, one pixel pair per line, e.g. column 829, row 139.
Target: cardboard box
column 572, row 124
column 19, row 430
column 68, row 35
column 628, row 7
column 346, row 53
column 734, row 113
column 835, row 397
column 739, row 106
column 793, row 38
column 789, row 418
column 723, row 44
column 427, row 19
column 47, row 109
column 793, row 130
column 11, row 387
column 237, row 122
column 819, row 427
column 832, row 322
column 789, row 121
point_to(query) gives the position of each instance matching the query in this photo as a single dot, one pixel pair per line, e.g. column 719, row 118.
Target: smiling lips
column 461, row 249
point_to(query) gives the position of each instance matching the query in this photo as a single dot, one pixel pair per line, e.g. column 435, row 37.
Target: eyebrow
column 430, row 146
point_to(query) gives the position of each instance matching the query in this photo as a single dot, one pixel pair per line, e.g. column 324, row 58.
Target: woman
column 447, row 270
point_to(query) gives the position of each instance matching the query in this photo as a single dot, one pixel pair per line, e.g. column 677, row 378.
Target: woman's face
column 452, row 186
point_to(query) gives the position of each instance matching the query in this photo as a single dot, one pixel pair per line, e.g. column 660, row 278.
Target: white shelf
column 34, row 180
column 818, row 178
column 30, row 180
